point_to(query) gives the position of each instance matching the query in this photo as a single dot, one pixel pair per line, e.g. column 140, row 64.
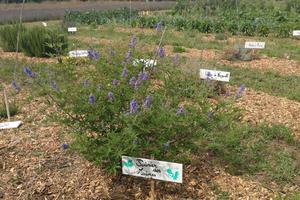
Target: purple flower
column 159, row 26
column 54, row 85
column 28, row 72
column 210, row 115
column 112, row 52
column 147, row 103
column 129, row 54
column 176, row 59
column 100, row 87
column 137, row 84
column 65, row 146
column 124, row 73
column 145, row 76
column 140, row 76
column 180, row 110
column 86, row 83
column 92, row 99
column 240, row 91
column 93, row 54
column 110, row 96
column 133, row 42
column 133, row 106
column 115, row 82
column 16, row 86
column 161, row 52
column 132, row 81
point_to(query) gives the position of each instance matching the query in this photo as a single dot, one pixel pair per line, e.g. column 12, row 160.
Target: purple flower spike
column 65, row 146
column 111, row 96
column 210, row 115
column 133, row 106
column 100, row 87
column 132, row 81
column 128, row 57
column 145, row 76
column 86, row 83
column 54, row 85
column 124, row 73
column 159, row 26
column 92, row 99
column 133, row 42
column 16, row 86
column 115, row 82
column 161, row 52
column 147, row 103
column 240, row 91
column 28, row 72
column 180, row 110
column 93, row 54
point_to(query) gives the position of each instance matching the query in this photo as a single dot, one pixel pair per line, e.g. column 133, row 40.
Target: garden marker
column 255, row 45
column 72, row 29
column 159, row 170
column 9, row 124
column 146, row 62
column 44, row 24
column 78, row 53
column 214, row 75
column 296, row 33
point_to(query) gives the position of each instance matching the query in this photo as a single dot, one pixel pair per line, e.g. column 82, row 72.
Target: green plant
column 239, row 53
column 8, row 36
column 13, row 110
column 41, row 42
column 178, row 49
column 221, row 36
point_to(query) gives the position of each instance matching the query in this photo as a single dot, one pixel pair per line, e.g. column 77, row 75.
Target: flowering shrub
column 118, row 109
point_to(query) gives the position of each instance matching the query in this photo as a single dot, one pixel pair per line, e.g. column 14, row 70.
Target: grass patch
column 178, row 49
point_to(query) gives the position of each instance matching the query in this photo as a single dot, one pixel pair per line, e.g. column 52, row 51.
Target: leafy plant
column 8, row 37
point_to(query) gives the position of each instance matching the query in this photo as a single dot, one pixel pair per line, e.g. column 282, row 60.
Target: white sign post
column 215, row 75
column 72, row 29
column 296, row 33
column 78, row 53
column 159, row 170
column 255, row 45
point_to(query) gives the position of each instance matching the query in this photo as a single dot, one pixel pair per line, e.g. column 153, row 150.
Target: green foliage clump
column 41, row 42
column 8, row 37
column 13, row 110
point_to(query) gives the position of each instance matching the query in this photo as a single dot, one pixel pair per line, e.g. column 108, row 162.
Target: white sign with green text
column 159, row 170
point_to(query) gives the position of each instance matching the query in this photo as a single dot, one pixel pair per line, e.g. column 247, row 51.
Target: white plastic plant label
column 145, row 62
column 9, row 125
column 78, row 53
column 296, row 33
column 72, row 29
column 255, row 45
column 159, row 170
column 214, row 75
column 44, row 24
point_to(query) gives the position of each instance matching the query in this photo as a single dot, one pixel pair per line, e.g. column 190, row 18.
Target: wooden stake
column 6, row 104
column 152, row 192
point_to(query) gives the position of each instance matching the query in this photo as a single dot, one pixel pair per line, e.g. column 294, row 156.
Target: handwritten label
column 72, row 29
column 296, row 33
column 214, row 75
column 145, row 62
column 255, row 45
column 8, row 125
column 78, row 53
column 159, row 170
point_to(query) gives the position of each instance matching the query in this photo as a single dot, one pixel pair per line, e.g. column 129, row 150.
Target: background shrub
column 41, row 42
column 8, row 37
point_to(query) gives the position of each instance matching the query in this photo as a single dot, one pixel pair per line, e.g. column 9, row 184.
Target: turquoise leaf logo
column 174, row 176
column 128, row 164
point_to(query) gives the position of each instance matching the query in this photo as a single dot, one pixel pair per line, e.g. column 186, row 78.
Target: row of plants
column 37, row 41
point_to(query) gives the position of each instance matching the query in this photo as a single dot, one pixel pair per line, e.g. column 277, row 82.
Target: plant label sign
column 145, row 62
column 72, row 29
column 78, row 53
column 154, row 169
column 255, row 45
column 296, row 33
column 9, row 125
column 44, row 24
column 214, row 75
